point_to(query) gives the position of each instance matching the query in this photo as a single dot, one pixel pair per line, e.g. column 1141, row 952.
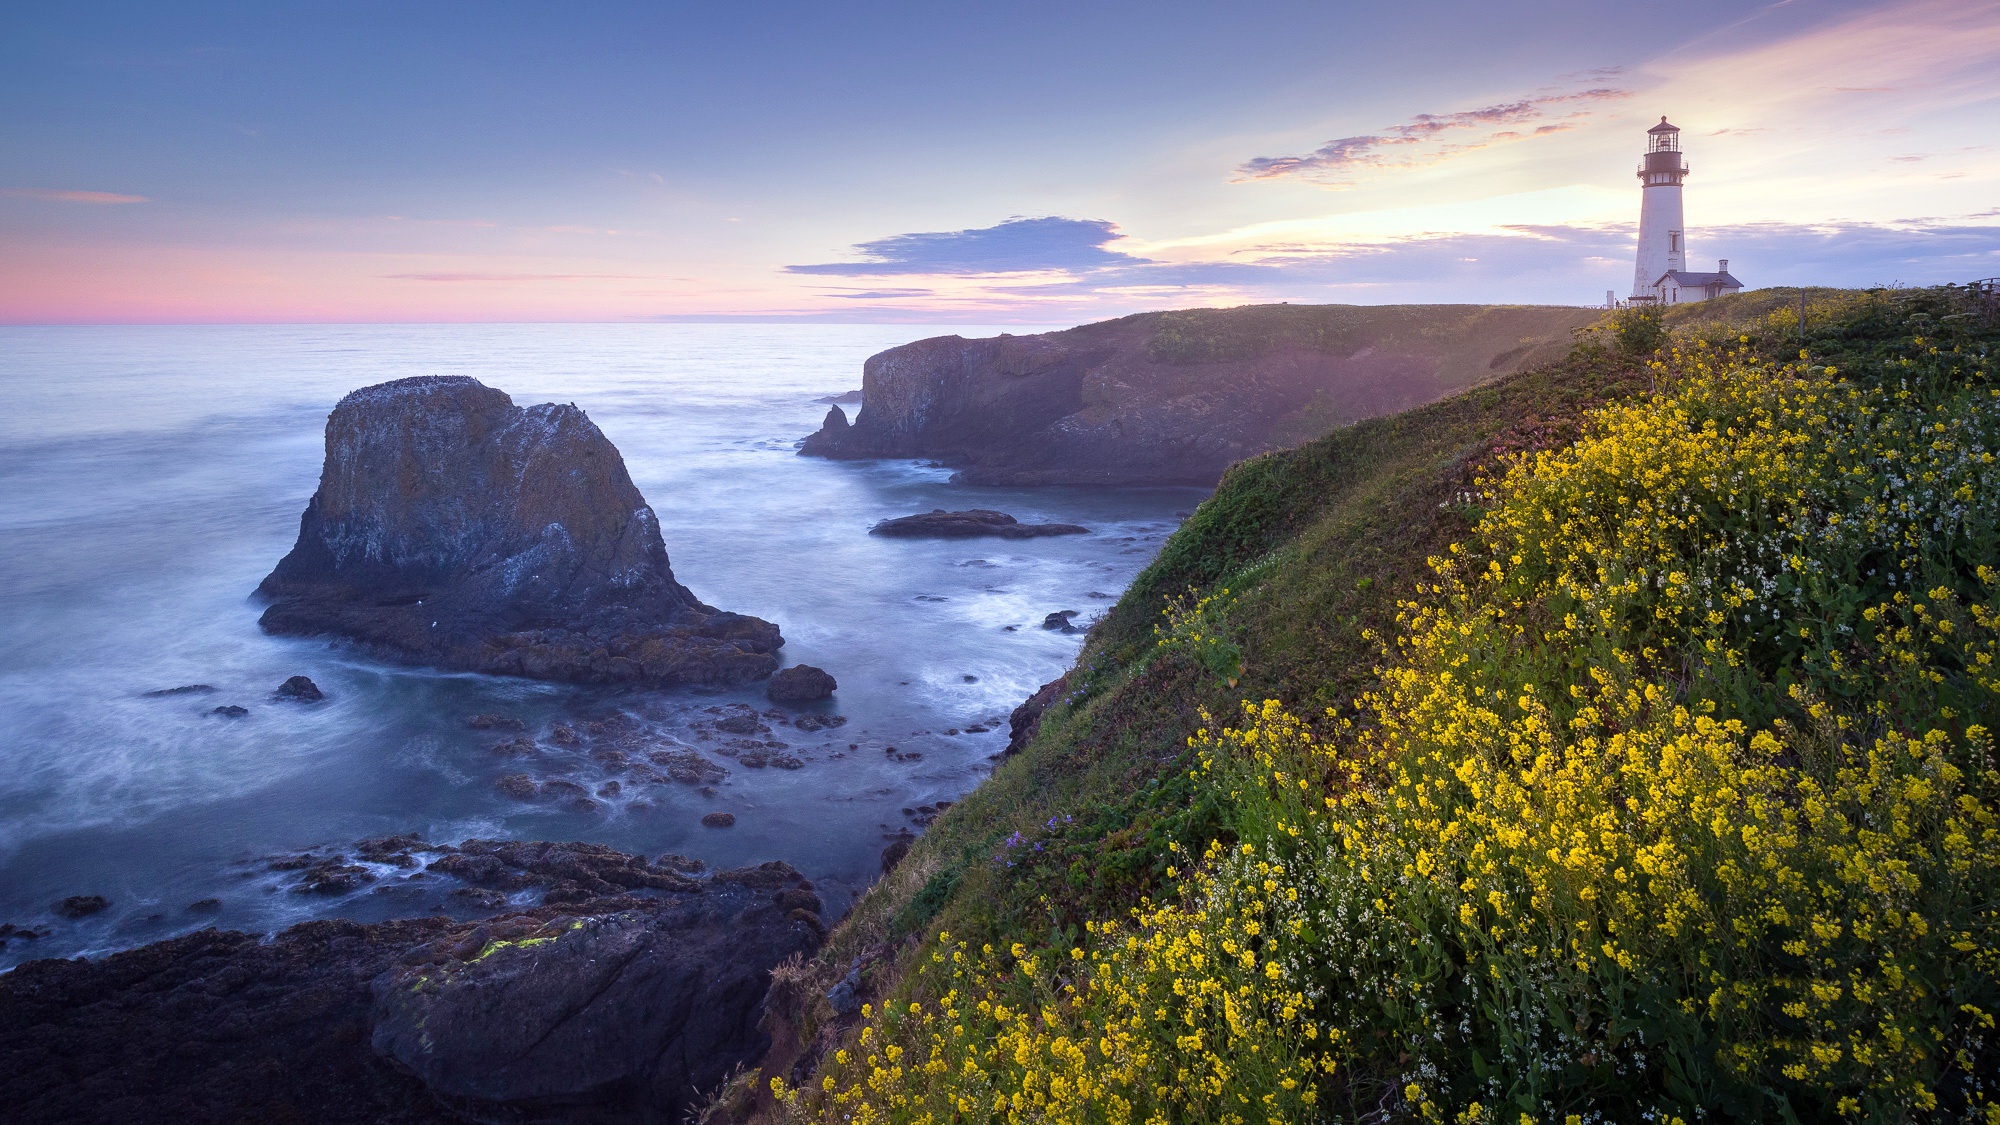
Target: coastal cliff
column 1388, row 792
column 454, row 528
column 1176, row 397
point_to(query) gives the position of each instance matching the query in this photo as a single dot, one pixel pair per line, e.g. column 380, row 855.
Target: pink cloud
column 1336, row 159
column 75, row 196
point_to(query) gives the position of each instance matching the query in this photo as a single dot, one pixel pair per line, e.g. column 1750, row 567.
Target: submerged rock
column 81, row 906
column 801, row 683
column 231, row 711
column 299, row 689
column 454, row 528
column 184, row 689
column 940, row 524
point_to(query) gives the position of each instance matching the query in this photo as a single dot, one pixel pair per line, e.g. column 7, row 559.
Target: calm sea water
column 150, row 477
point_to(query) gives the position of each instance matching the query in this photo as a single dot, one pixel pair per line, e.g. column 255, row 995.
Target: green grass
column 1315, row 546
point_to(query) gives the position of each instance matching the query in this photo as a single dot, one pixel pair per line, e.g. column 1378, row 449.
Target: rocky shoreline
column 609, row 988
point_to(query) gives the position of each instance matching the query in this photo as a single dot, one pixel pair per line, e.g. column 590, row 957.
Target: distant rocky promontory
column 1176, row 397
column 454, row 528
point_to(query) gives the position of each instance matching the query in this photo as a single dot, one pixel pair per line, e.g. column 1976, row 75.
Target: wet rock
column 10, row 932
column 494, row 722
column 299, row 689
column 718, row 820
column 519, row 786
column 514, row 747
column 562, row 734
column 81, row 906
column 559, row 789
column 333, row 879
column 940, row 524
column 687, row 767
column 1059, row 620
column 741, row 724
column 205, row 906
column 184, row 689
column 454, row 528
column 610, row 789
column 230, row 711
column 801, row 683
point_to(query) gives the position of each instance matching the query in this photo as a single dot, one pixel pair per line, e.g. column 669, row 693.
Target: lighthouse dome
column 1663, row 127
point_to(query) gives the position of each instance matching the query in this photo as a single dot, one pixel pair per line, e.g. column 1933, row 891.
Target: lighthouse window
column 1674, row 240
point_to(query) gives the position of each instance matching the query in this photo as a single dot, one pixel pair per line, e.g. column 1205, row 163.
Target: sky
column 1029, row 162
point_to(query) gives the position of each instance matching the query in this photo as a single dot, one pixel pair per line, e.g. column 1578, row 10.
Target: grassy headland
column 1610, row 742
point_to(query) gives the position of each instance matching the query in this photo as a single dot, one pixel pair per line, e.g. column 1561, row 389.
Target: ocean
column 151, row 476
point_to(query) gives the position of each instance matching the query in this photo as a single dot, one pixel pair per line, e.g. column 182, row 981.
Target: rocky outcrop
column 628, row 1015
column 1174, row 398
column 801, row 683
column 1026, row 720
column 454, row 528
column 972, row 523
column 620, row 1008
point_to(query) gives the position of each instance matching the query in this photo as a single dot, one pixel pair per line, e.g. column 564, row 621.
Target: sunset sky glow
column 1037, row 163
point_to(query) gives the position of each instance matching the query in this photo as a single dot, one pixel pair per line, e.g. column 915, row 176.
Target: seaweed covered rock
column 452, row 527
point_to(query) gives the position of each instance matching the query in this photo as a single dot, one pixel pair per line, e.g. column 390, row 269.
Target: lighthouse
column 1661, row 276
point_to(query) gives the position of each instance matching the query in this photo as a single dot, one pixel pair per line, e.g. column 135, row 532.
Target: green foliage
column 1677, row 798
column 1638, row 331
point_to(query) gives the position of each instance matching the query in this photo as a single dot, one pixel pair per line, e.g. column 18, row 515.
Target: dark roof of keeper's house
column 1697, row 280
column 1663, row 127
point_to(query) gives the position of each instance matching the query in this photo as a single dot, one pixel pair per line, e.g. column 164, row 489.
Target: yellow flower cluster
column 1678, row 801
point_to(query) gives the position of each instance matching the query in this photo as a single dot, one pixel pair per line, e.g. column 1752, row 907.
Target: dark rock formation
column 1026, row 719
column 1176, row 397
column 299, row 689
column 801, row 683
column 719, row 820
column 81, row 906
column 609, row 1010
column 230, row 711
column 940, row 524
column 454, row 528
column 1059, row 620
column 184, row 689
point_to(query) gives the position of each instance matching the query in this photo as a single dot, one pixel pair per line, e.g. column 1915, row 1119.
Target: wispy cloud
column 1015, row 246
column 517, row 277
column 54, row 196
column 1421, row 140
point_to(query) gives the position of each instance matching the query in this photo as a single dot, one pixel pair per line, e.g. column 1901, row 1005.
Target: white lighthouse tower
column 1661, row 276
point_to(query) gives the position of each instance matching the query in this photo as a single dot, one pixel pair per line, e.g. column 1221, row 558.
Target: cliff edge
column 1177, row 397
column 455, row 528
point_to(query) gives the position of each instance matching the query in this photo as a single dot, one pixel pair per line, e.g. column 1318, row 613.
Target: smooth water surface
column 151, row 476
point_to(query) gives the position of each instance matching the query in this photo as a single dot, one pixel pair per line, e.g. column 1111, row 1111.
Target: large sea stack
column 454, row 528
